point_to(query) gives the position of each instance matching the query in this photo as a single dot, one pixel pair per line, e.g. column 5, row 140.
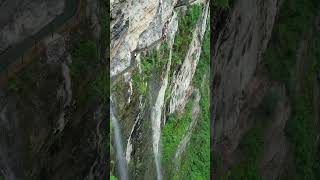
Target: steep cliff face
column 259, row 68
column 53, row 114
column 154, row 55
column 237, row 89
column 21, row 19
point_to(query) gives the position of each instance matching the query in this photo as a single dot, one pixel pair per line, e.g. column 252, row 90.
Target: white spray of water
column 156, row 112
column 122, row 164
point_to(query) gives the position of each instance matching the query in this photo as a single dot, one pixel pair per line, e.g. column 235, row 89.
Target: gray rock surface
column 238, row 88
column 20, row 19
column 136, row 29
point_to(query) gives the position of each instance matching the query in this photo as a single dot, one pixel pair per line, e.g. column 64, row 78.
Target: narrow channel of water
column 121, row 160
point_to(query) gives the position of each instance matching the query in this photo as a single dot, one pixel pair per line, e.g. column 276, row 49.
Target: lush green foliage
column 184, row 36
column 150, row 63
column 172, row 134
column 113, row 177
column 204, row 61
column 196, row 161
column 163, row 55
column 138, row 83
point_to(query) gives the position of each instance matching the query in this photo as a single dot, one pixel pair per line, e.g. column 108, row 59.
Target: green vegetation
column 113, row 177
column 246, row 171
column 88, row 73
column 224, row 4
column 14, row 84
column 138, row 83
column 150, row 63
column 104, row 23
column 147, row 65
column 84, row 58
column 295, row 20
column 195, row 162
column 163, row 55
column 302, row 127
column 101, row 85
column 172, row 134
column 184, row 36
column 251, row 147
column 251, row 144
column 204, row 61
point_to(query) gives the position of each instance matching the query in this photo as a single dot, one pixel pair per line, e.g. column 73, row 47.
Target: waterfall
column 121, row 160
column 156, row 112
column 156, row 129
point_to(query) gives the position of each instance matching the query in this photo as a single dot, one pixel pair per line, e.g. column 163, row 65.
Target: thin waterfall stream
column 121, row 160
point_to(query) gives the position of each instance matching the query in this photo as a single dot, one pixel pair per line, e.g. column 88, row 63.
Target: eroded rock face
column 141, row 121
column 136, row 29
column 239, row 88
column 183, row 78
column 22, row 18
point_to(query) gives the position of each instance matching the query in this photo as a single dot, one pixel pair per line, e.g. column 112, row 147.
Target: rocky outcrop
column 23, row 18
column 136, row 29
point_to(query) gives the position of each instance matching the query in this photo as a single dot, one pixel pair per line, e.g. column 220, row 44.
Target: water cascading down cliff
column 142, row 74
column 122, row 164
